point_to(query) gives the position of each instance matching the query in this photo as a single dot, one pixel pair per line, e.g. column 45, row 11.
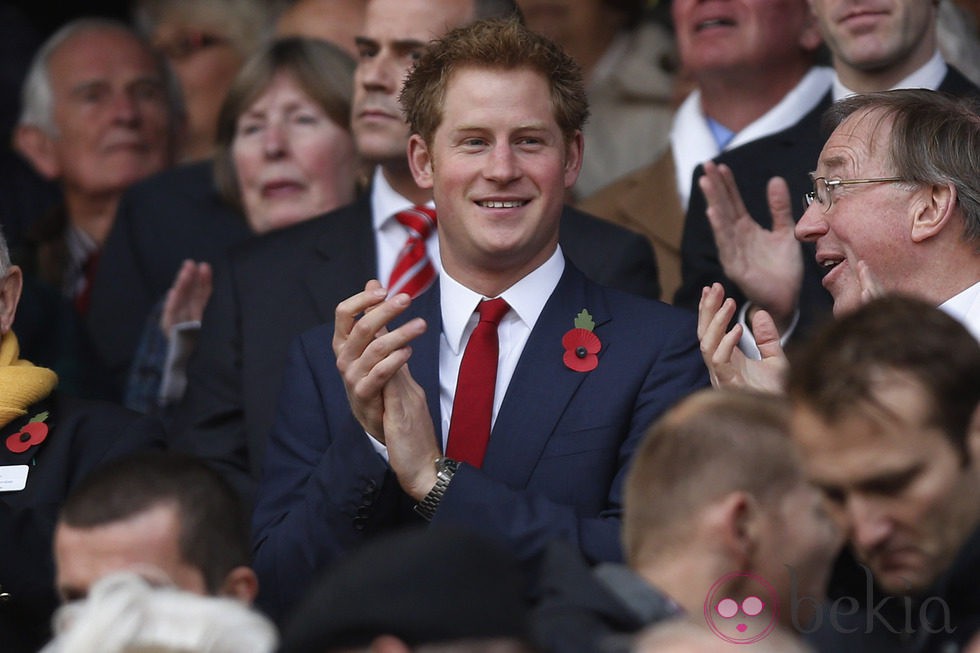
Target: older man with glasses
column 895, row 208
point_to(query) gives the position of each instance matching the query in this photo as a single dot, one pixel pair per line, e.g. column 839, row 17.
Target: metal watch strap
column 445, row 469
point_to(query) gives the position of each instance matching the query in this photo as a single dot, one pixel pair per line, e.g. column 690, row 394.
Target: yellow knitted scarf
column 21, row 382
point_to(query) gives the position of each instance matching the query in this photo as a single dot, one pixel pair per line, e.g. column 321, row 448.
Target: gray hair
column 935, row 139
column 37, row 96
column 124, row 613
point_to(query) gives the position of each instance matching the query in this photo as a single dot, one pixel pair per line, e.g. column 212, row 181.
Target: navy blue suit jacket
column 791, row 154
column 556, row 460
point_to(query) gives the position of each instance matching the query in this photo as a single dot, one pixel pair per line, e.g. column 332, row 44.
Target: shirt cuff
column 378, row 446
column 747, row 342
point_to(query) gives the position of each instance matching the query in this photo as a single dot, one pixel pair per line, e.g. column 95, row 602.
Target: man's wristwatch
column 445, row 469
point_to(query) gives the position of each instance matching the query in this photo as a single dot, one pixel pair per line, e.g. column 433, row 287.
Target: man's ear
column 933, row 210
column 573, row 158
column 38, row 147
column 973, row 438
column 241, row 583
column 420, row 161
column 10, row 289
column 739, row 521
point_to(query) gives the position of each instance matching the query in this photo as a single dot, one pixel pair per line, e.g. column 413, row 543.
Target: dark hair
column 325, row 73
column 839, row 370
column 213, row 533
column 492, row 44
column 935, row 139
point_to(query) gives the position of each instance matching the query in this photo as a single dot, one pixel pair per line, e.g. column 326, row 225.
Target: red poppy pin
column 581, row 345
column 33, row 433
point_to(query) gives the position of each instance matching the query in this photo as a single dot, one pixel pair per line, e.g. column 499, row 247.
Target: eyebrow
column 397, row 44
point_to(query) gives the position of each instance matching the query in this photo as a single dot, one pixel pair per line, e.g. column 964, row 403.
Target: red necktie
column 84, row 293
column 413, row 271
column 469, row 427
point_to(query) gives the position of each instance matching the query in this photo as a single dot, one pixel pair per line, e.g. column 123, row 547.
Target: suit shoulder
column 195, row 176
column 590, row 227
column 338, row 224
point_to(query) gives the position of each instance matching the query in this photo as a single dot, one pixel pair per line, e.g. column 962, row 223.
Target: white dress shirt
column 526, row 299
column 928, row 76
column 390, row 234
column 692, row 142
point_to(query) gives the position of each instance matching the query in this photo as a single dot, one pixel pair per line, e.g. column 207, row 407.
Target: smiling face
column 892, row 38
column 395, row 33
column 499, row 167
column 725, row 36
column 292, row 161
column 866, row 222
column 900, row 490
column 111, row 113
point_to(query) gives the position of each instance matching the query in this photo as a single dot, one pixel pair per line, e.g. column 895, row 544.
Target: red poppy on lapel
column 581, row 344
column 32, row 434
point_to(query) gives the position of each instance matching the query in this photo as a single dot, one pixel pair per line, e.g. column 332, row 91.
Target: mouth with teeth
column 714, row 22
column 502, row 204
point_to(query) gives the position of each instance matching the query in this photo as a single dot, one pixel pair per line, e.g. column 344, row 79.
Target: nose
column 378, row 73
column 275, row 142
column 502, row 165
column 125, row 108
column 812, row 224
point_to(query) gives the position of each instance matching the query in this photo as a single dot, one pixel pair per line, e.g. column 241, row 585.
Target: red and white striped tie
column 413, row 271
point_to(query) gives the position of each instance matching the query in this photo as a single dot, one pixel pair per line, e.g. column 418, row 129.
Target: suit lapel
column 541, row 381
column 344, row 257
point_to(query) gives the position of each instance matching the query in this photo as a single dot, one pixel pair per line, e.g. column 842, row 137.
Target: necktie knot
column 413, row 271
column 420, row 220
column 492, row 310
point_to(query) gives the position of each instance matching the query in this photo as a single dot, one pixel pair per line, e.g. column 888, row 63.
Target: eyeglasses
column 822, row 188
column 185, row 45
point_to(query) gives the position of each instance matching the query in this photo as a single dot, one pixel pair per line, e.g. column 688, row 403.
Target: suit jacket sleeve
column 323, row 485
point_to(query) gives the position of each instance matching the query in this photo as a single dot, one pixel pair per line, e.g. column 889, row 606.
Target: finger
column 766, row 335
column 372, row 324
column 780, row 204
column 723, row 361
column 345, row 315
column 715, row 330
column 870, row 288
column 711, row 299
column 356, row 361
column 372, row 384
column 730, row 188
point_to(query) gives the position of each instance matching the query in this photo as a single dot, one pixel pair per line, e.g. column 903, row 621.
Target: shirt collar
column 965, row 305
column 386, row 201
column 928, row 76
column 526, row 298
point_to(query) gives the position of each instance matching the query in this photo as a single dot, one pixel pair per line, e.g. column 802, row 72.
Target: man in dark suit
column 759, row 266
column 570, row 380
column 275, row 287
column 49, row 441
